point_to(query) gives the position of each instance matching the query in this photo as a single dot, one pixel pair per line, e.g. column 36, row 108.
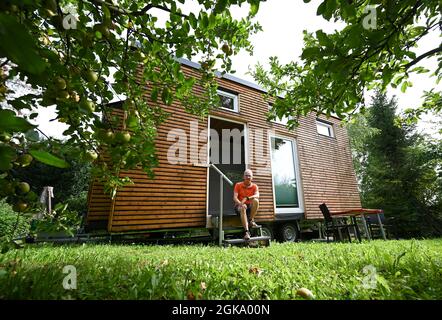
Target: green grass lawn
column 409, row 269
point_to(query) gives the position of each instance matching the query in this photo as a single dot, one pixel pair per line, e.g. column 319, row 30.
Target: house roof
column 223, row 76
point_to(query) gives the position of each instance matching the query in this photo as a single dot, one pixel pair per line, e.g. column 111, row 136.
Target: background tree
column 398, row 170
column 375, row 49
column 70, row 184
column 79, row 55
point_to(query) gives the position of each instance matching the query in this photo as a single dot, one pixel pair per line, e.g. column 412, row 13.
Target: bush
column 8, row 221
column 78, row 203
column 61, row 219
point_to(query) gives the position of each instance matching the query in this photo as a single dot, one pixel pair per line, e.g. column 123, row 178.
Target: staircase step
column 252, row 239
column 239, row 228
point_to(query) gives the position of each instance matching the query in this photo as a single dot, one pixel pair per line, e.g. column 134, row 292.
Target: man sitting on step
column 245, row 196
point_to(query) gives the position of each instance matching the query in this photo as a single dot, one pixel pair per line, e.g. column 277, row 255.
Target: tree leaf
column 254, row 7
column 221, row 6
column 323, row 38
column 154, row 94
column 307, row 53
column 204, row 20
column 166, row 96
column 404, row 86
column 49, row 159
column 32, row 135
column 11, row 123
column 193, row 21
column 7, row 154
column 321, row 8
column 18, row 45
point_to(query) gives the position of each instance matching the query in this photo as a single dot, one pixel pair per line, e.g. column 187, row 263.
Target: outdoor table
column 353, row 213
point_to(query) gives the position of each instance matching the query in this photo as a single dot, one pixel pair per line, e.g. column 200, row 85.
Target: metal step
column 252, row 239
column 241, row 228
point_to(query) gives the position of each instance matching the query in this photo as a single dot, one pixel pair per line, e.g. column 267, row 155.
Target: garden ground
column 405, row 269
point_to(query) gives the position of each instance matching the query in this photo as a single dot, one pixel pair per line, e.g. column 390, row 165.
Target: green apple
column 126, row 137
column 60, row 83
column 90, row 76
column 20, row 206
column 87, row 106
column 109, row 135
column 104, row 30
column 25, row 160
column 122, row 137
column 63, row 94
column 91, row 155
column 5, row 137
column 24, row 187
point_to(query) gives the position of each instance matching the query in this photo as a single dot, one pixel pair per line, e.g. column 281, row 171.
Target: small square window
column 324, row 128
column 228, row 100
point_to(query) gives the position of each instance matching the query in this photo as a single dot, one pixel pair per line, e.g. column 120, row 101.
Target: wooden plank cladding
column 99, row 207
column 177, row 196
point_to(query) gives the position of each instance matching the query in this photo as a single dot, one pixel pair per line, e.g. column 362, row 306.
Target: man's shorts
column 238, row 211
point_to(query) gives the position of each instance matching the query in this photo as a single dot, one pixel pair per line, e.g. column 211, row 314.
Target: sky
column 283, row 22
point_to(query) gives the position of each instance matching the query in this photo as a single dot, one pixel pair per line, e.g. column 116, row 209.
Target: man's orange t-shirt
column 244, row 191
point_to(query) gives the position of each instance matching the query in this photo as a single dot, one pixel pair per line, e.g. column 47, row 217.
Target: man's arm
column 256, row 195
column 235, row 198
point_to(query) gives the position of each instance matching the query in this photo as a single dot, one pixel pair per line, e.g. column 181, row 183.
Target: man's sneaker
column 247, row 236
column 253, row 224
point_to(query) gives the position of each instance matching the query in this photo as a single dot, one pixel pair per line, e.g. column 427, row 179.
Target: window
column 324, row 128
column 285, row 175
column 282, row 120
column 229, row 100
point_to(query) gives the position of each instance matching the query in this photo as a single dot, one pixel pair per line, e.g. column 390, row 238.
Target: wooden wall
column 326, row 168
column 99, row 207
column 177, row 196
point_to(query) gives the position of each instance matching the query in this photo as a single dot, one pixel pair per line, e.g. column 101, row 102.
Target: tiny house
column 295, row 170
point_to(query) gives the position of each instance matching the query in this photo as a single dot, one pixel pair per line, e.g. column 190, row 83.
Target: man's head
column 248, row 176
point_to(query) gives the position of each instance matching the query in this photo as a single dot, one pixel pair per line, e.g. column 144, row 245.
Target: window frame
column 326, row 124
column 288, row 210
column 231, row 95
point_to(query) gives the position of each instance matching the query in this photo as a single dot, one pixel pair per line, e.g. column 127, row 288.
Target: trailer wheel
column 267, row 231
column 288, row 232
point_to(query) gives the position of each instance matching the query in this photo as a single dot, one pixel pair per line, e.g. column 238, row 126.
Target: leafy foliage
column 80, row 55
column 337, row 68
column 67, row 181
column 398, row 170
column 12, row 224
column 61, row 219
